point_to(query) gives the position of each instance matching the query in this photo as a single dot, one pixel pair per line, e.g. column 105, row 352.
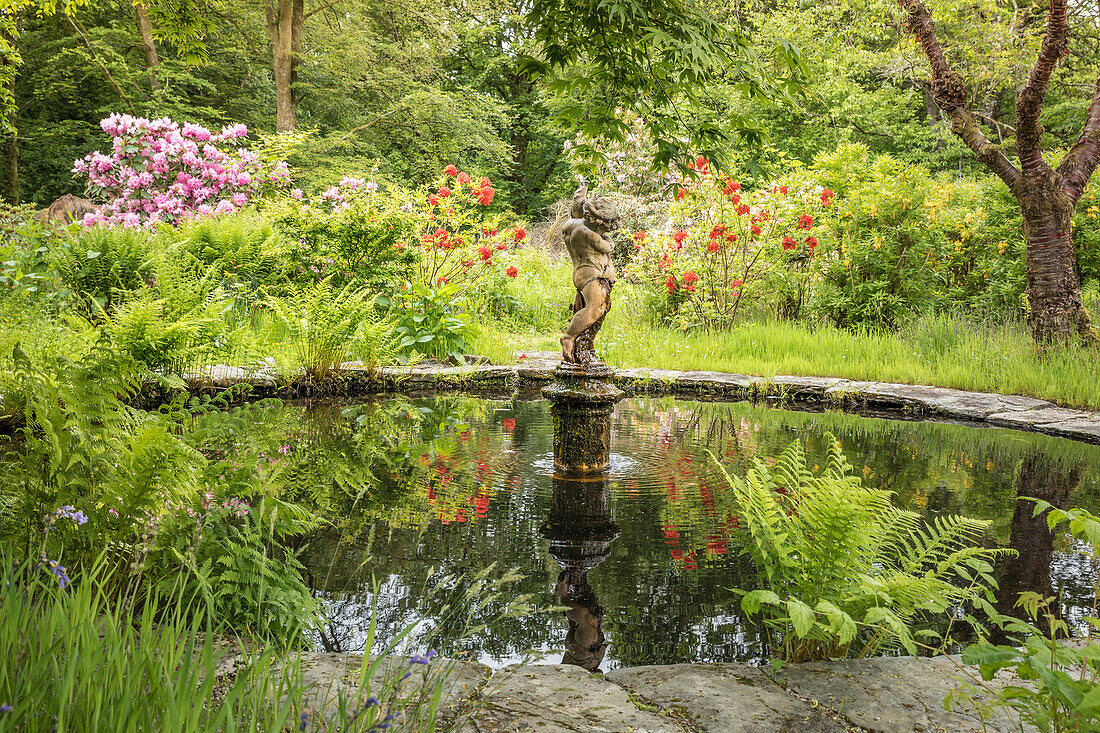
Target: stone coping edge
column 536, row 369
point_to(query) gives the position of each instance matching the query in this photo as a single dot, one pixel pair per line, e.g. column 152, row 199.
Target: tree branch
column 91, row 49
column 1029, row 131
column 326, row 6
column 951, row 96
column 1081, row 160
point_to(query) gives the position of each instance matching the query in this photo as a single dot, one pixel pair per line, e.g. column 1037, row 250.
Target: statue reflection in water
column 581, row 532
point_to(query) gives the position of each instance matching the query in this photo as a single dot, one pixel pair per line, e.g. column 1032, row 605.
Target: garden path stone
column 890, row 694
column 558, row 697
column 801, row 387
column 724, row 698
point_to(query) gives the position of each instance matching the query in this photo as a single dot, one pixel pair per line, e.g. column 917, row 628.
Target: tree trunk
column 1054, row 294
column 9, row 174
column 284, row 25
column 148, row 44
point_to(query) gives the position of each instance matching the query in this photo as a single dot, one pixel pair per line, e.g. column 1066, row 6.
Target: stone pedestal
column 582, row 398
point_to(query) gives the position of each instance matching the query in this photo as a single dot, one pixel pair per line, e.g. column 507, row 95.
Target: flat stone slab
column 1037, row 418
column 1087, row 429
column 559, row 698
column 980, row 405
column 725, row 698
column 328, row 676
column 891, row 694
column 223, row 375
column 432, row 374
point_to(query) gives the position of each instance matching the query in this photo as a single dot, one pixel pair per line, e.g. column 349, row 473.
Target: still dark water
column 423, row 494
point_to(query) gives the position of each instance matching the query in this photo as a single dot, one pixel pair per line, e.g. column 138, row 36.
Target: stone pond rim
column 537, row 369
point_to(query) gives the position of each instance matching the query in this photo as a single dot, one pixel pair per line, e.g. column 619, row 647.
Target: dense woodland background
column 403, row 88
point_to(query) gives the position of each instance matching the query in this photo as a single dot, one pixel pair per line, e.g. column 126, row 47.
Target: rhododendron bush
column 160, row 171
column 724, row 248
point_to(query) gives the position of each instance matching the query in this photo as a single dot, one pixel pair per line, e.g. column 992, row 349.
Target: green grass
column 939, row 350
column 78, row 659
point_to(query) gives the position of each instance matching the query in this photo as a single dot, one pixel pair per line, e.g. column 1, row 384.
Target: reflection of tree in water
column 1040, row 477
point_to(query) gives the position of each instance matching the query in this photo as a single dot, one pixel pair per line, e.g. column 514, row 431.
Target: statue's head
column 601, row 213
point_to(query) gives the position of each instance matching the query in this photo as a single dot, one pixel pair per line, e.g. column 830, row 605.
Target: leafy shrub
column 142, row 329
column 429, row 321
column 244, row 577
column 723, row 246
column 358, row 239
column 841, row 571
column 242, row 249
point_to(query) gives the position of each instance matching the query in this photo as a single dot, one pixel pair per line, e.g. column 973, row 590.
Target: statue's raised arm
column 590, row 246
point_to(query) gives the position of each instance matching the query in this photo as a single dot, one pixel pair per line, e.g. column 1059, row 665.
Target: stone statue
column 587, row 238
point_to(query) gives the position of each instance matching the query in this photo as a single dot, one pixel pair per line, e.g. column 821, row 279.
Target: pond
column 420, row 491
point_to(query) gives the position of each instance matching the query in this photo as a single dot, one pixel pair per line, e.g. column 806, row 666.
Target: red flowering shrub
column 724, row 246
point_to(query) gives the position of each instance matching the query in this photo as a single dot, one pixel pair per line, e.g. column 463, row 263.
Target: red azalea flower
column 735, row 199
column 441, row 281
column 511, row 271
column 501, row 247
column 755, row 230
column 671, row 284
column 690, row 278
column 712, row 246
column 485, row 195
column 811, row 242
column 701, row 163
column 663, row 264
column 731, row 238
column 464, row 178
column 433, row 200
column 805, row 222
column 826, row 196
column 484, row 182
column 689, row 288
column 679, row 236
column 731, row 189
column 485, row 253
column 743, row 209
column 519, row 234
column 737, row 283
column 450, row 171
column 468, row 263
column 487, row 232
column 789, row 243
column 680, row 193
column 639, row 237
column 443, row 192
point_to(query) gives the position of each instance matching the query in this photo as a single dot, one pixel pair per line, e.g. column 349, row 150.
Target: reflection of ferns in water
column 842, row 571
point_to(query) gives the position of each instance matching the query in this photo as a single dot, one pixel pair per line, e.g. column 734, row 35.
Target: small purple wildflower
column 56, row 568
column 417, row 659
column 66, row 512
column 5, row 708
column 305, row 722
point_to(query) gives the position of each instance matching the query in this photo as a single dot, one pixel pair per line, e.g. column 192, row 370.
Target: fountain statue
column 582, row 394
column 587, row 237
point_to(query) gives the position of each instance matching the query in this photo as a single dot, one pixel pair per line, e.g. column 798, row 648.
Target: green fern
column 842, row 571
